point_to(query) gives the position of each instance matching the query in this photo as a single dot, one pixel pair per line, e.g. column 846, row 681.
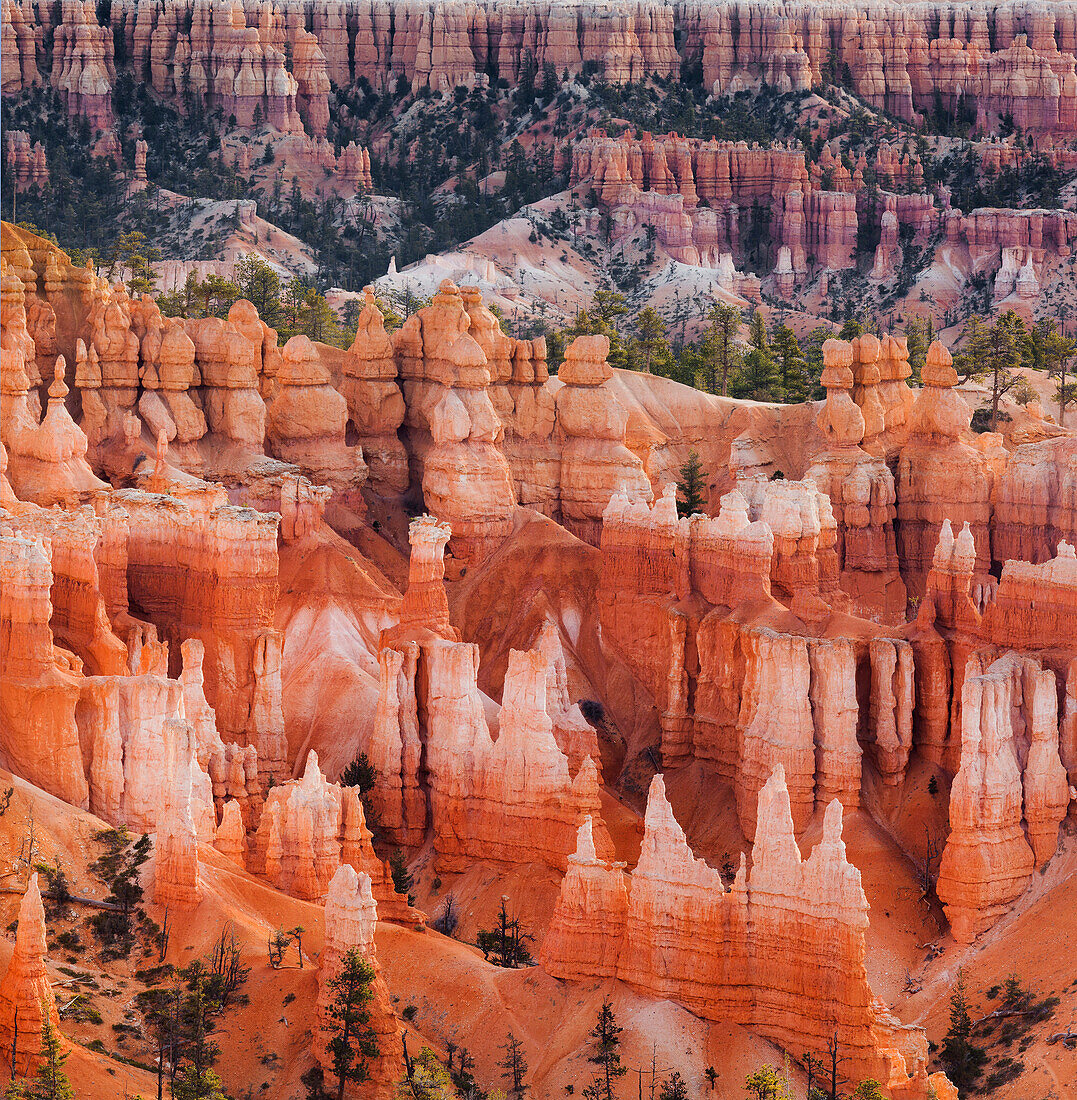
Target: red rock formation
column 595, row 462
column 309, row 828
column 860, row 487
column 175, row 876
column 738, row 955
column 1003, row 62
column 775, row 725
column 891, row 707
column 936, row 456
column 39, row 685
column 231, row 837
column 987, row 862
column 26, row 996
column 453, row 428
column 351, row 915
column 577, row 946
column 425, row 610
column 375, row 404
column 395, row 748
column 306, row 424
column 506, row 802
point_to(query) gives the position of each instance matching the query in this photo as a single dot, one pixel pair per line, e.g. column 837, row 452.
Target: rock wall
column 781, row 950
column 26, row 996
column 1003, row 58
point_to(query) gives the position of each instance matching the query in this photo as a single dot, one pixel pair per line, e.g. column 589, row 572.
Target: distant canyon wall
column 1010, row 58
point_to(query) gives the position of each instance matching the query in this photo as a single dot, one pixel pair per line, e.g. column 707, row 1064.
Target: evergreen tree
column 792, row 368
column 869, row 1089
column 963, row 1060
column 720, row 350
column 767, row 1083
column 515, row 1066
column 354, row 1041
column 757, row 332
column 606, row 1039
column 758, row 377
column 674, row 1088
column 851, row 329
column 690, row 487
column 1058, row 350
column 918, row 335
column 50, row 1082
column 993, row 351
column 398, row 867
column 650, row 336
column 260, row 285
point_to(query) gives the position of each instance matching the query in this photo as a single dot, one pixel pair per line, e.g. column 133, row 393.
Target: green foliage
column 919, row 332
column 50, row 1081
column 673, row 1088
column 398, row 866
column 428, row 1079
column 514, row 1066
column 690, row 487
column 767, row 1083
column 869, row 1089
column 650, row 338
column 119, row 867
column 962, row 1059
column 359, row 773
column 504, row 945
column 719, row 352
column 791, row 364
column 995, row 352
column 606, row 1041
column 354, row 1042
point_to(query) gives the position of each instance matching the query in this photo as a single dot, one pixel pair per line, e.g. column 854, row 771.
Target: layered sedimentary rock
column 375, row 404
column 306, row 423
column 781, row 950
column 39, row 685
column 987, row 862
column 940, row 476
column 26, row 997
column 595, row 463
column 309, row 827
column 859, row 485
column 175, row 875
column 1006, row 61
column 509, row 801
column 350, row 918
column 453, row 428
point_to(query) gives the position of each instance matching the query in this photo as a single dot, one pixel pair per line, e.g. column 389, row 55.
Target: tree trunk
column 1062, row 397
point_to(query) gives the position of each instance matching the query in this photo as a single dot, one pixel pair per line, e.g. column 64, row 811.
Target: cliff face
column 781, row 950
column 1005, row 58
column 26, row 996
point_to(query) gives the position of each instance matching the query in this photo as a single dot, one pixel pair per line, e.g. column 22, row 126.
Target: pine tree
column 515, row 1066
column 918, row 335
column 792, row 367
column 963, row 1060
column 674, row 1088
column 995, row 351
column 767, row 1083
column 354, row 1041
column 398, row 868
column 651, row 336
column 690, row 487
column 757, row 332
column 758, row 377
column 606, row 1036
column 51, row 1082
column 719, row 347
